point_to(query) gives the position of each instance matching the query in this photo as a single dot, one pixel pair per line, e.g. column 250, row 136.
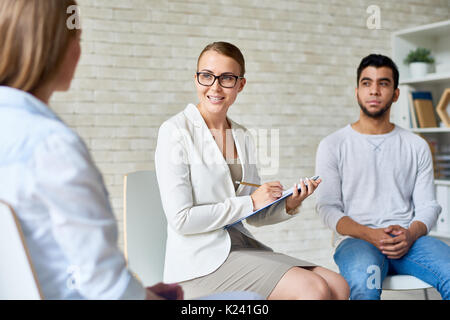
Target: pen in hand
column 258, row 185
column 248, row 184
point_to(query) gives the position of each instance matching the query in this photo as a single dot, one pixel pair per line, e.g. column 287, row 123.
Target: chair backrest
column 404, row 282
column 18, row 280
column 145, row 227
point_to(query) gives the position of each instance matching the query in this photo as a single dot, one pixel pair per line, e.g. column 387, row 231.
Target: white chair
column 405, row 282
column 18, row 280
column 145, row 227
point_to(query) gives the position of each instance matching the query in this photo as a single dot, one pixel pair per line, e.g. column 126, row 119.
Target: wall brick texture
column 138, row 64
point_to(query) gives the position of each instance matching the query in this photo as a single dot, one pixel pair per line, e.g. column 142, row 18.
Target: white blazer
column 198, row 194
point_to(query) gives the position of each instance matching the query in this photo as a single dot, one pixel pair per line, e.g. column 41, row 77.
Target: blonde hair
column 34, row 38
column 228, row 50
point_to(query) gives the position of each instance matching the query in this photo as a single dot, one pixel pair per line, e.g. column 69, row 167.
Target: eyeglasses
column 225, row 80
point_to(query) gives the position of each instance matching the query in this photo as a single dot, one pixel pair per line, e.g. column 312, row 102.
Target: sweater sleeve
column 329, row 203
column 426, row 208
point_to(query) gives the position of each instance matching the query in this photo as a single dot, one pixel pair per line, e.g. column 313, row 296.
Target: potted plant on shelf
column 419, row 61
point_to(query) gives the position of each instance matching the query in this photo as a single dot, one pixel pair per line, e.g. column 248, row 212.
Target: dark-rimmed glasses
column 225, row 80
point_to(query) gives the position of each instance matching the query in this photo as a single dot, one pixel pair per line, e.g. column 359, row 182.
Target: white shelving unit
column 430, row 130
column 435, row 37
column 432, row 78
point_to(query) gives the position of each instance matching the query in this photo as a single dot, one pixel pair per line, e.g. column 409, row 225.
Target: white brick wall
column 139, row 58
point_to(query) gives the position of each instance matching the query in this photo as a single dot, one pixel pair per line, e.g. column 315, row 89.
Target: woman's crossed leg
column 312, row 283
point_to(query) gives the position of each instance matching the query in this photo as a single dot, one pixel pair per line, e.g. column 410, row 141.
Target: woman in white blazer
column 200, row 154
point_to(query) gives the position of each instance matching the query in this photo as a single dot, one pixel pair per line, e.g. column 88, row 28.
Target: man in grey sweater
column 377, row 193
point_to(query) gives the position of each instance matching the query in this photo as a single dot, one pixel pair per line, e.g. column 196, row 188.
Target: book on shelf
column 443, row 157
column 441, row 173
column 402, row 116
column 412, row 112
column 433, row 146
column 441, row 163
column 424, row 110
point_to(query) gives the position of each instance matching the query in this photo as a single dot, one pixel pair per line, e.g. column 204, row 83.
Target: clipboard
column 284, row 195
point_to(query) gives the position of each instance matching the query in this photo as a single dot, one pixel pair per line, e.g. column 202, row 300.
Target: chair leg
column 425, row 292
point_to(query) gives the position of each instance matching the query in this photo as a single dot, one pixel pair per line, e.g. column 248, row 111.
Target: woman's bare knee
column 320, row 290
column 338, row 285
column 301, row 284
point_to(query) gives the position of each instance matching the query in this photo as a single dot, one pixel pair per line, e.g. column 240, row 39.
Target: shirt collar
column 18, row 99
column 194, row 115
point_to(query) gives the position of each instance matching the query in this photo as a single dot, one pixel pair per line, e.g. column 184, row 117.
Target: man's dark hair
column 378, row 61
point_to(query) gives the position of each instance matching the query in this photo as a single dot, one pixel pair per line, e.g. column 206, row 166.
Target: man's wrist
column 417, row 229
column 348, row 227
column 364, row 233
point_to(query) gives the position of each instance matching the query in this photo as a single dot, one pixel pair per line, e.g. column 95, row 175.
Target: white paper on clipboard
column 284, row 195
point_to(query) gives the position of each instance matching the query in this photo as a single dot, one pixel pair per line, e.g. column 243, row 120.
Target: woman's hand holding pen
column 266, row 193
column 294, row 201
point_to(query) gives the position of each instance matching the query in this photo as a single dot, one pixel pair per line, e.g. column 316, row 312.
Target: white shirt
column 49, row 178
column 376, row 180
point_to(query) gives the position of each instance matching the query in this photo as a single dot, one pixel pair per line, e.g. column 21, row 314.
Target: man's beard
column 379, row 113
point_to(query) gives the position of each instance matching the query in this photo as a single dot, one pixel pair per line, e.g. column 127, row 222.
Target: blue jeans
column 365, row 267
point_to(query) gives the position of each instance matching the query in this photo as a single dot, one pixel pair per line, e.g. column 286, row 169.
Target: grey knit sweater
column 377, row 180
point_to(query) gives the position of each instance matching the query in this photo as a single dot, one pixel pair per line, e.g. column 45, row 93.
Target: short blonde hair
column 34, row 38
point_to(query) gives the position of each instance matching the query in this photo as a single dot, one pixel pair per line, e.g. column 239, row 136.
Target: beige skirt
column 250, row 266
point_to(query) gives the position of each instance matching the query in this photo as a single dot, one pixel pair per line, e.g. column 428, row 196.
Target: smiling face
column 375, row 92
column 216, row 100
